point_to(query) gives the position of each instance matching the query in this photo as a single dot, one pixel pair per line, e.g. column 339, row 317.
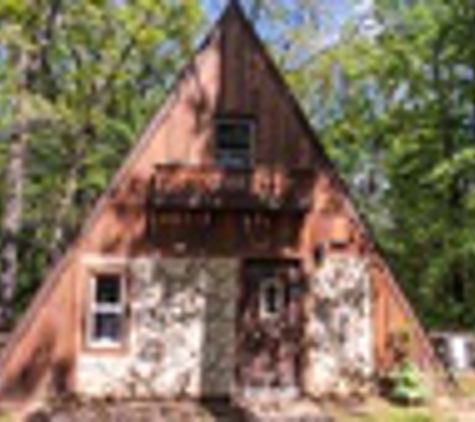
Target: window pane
column 107, row 326
column 272, row 299
column 233, row 140
column 233, row 158
column 108, row 288
column 233, row 134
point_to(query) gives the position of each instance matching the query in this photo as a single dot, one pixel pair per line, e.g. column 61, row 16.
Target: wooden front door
column 270, row 327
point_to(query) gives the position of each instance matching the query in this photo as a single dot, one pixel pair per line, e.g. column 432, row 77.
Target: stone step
column 299, row 410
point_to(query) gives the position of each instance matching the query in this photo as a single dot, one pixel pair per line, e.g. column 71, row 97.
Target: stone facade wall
column 182, row 336
column 339, row 332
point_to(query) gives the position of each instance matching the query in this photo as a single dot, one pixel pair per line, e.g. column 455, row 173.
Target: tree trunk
column 15, row 180
column 63, row 221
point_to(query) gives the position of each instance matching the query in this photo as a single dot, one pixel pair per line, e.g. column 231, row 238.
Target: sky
column 340, row 7
column 335, row 12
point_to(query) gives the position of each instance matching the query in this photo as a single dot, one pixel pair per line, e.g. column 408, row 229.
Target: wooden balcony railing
column 199, row 187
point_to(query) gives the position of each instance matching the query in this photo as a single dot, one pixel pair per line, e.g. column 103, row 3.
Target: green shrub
column 407, row 384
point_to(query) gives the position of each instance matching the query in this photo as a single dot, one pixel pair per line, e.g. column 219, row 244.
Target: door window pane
column 271, row 298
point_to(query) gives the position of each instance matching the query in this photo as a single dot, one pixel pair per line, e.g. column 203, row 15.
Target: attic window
column 106, row 316
column 233, row 137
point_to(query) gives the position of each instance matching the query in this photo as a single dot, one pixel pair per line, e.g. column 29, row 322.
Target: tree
column 392, row 96
column 94, row 73
column 408, row 111
column 18, row 55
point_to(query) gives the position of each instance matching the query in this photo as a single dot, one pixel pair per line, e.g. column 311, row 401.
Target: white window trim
column 93, row 308
column 104, row 263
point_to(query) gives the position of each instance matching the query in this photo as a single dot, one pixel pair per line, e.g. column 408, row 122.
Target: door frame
column 272, row 263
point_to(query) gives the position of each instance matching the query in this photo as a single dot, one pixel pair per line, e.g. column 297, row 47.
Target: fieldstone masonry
column 182, row 336
column 340, row 327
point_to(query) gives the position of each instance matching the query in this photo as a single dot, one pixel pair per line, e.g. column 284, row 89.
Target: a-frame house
column 225, row 258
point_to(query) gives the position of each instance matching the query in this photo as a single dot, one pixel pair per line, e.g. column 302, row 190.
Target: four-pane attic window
column 233, row 142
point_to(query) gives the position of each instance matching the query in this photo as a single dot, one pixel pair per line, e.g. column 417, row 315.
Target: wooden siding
column 40, row 357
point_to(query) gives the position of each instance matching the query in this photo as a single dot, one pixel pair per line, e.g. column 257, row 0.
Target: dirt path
column 462, row 410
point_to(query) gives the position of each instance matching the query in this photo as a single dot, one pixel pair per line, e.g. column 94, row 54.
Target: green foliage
column 407, row 384
column 99, row 69
column 396, row 111
column 398, row 114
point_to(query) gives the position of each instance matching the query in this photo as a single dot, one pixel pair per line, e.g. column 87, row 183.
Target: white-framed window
column 106, row 317
column 233, row 142
column 271, row 298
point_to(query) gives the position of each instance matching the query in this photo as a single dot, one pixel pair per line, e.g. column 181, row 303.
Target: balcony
column 214, row 188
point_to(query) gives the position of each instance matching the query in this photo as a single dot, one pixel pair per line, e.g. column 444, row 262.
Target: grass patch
column 377, row 410
column 466, row 383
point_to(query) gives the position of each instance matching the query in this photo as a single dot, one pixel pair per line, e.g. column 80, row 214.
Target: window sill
column 105, row 347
